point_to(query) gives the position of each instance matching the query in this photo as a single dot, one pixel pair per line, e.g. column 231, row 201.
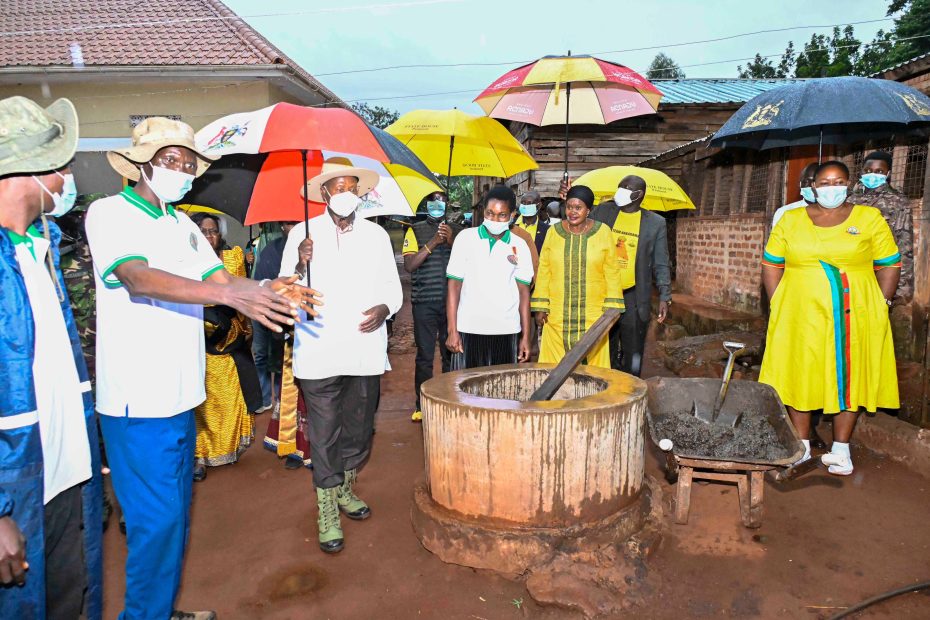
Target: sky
column 331, row 37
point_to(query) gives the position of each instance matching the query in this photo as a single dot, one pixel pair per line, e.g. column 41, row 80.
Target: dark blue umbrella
column 839, row 110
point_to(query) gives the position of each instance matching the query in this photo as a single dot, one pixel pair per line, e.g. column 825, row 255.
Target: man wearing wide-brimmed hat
column 50, row 487
column 154, row 270
column 340, row 355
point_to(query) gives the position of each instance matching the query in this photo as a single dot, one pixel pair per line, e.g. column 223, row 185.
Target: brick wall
column 719, row 259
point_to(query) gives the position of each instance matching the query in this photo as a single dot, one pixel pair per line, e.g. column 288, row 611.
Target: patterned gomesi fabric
column 896, row 209
column 829, row 340
column 579, row 278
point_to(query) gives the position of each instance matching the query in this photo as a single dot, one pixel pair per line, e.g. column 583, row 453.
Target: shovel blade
column 703, row 414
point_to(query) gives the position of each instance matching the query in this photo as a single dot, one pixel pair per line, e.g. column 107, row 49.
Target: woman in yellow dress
column 579, row 278
column 831, row 270
column 224, row 425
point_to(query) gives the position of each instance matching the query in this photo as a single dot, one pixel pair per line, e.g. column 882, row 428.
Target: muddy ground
column 825, row 543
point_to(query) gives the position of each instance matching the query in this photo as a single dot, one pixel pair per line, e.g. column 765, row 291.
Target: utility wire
column 605, row 53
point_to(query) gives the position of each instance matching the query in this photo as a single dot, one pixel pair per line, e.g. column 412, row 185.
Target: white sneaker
column 838, row 464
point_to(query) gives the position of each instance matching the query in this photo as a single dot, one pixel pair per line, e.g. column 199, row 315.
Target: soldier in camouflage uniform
column 873, row 190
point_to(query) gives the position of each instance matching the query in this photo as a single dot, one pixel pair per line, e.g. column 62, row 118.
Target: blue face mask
column 528, row 210
column 832, row 196
column 467, row 216
column 807, row 193
column 436, row 208
column 874, row 180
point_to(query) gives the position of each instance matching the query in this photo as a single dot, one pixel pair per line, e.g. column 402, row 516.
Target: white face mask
column 623, row 196
column 168, row 185
column 831, row 196
column 495, row 228
column 64, row 201
column 344, row 204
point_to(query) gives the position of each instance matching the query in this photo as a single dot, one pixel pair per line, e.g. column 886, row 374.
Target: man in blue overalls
column 50, row 486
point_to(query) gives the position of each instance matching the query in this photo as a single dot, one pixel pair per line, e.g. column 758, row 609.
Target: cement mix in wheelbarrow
column 753, row 439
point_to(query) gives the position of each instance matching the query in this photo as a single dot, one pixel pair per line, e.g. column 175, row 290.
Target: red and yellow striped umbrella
column 570, row 90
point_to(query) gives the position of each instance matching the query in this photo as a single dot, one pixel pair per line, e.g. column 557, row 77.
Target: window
column 915, row 170
column 757, row 193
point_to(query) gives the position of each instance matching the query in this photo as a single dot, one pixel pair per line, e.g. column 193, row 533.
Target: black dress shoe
column 200, row 473
column 293, row 462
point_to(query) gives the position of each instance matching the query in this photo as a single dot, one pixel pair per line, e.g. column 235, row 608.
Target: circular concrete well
column 509, row 481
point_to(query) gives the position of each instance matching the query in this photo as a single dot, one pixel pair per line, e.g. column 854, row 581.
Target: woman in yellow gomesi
column 831, row 270
column 579, row 278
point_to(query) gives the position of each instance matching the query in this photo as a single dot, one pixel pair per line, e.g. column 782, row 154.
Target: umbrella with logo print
column 268, row 155
column 569, row 90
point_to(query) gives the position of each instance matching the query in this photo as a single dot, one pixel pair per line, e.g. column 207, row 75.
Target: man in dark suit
column 642, row 249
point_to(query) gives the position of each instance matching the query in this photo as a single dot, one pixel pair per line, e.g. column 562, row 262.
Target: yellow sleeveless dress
column 829, row 340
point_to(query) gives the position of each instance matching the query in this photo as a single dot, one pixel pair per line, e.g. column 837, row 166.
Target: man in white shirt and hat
column 154, row 271
column 340, row 355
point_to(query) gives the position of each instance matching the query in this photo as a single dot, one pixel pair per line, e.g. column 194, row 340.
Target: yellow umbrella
column 454, row 143
column 198, row 209
column 662, row 193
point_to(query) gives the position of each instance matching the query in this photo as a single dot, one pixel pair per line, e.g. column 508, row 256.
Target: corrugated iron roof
column 696, row 90
column 901, row 65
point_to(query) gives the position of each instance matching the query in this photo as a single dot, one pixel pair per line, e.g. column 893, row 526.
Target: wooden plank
column 683, row 498
column 573, row 357
column 756, row 491
column 722, row 465
column 744, row 500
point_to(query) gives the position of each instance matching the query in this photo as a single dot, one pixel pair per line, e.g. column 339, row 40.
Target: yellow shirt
column 530, row 228
column 626, row 239
column 410, row 243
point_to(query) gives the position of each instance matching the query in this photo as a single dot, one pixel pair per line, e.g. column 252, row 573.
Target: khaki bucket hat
column 33, row 139
column 341, row 167
column 148, row 137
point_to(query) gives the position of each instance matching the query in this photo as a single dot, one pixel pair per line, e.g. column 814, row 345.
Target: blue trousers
column 261, row 350
column 151, row 463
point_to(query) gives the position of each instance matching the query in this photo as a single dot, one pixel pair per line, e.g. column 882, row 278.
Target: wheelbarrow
column 670, row 397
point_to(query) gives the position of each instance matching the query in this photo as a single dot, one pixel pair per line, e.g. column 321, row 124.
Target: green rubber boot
column 331, row 540
column 348, row 501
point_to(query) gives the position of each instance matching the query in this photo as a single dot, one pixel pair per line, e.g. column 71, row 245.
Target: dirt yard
column 826, row 543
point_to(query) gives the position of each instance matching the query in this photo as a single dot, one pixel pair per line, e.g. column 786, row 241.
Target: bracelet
column 426, row 247
column 889, row 302
column 264, row 282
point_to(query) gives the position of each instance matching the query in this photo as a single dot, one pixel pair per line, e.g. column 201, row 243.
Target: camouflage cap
column 33, row 139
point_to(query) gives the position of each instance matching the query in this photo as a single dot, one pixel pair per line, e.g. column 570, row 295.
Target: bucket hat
column 36, row 139
column 148, row 137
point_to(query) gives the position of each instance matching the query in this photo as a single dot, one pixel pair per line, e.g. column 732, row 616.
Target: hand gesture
column 523, row 352
column 376, row 317
column 305, row 298
column 261, row 303
column 541, row 318
column 13, row 563
column 444, row 234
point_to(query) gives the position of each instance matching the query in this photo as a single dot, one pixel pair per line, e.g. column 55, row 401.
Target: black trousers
column 340, row 420
column 489, row 350
column 65, row 578
column 628, row 341
column 429, row 324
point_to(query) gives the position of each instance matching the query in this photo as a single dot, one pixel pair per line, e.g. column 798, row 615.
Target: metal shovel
column 711, row 417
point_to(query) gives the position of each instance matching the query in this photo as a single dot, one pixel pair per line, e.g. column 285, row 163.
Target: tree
column 375, row 114
column 760, row 68
column 913, row 21
column 664, row 67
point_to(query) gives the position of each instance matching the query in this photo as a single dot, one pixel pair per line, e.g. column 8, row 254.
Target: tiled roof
column 39, row 33
column 696, row 90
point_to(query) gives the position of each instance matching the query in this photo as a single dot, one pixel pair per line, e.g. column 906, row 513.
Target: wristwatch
column 889, row 302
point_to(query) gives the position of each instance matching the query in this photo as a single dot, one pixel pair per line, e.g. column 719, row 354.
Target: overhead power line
column 604, row 53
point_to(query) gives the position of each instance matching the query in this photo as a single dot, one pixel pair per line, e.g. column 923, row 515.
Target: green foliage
column 841, row 53
column 664, row 67
column 461, row 192
column 376, row 115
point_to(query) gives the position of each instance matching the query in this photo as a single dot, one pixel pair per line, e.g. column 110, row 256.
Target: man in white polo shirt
column 489, row 277
column 49, row 480
column 340, row 355
column 154, row 271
